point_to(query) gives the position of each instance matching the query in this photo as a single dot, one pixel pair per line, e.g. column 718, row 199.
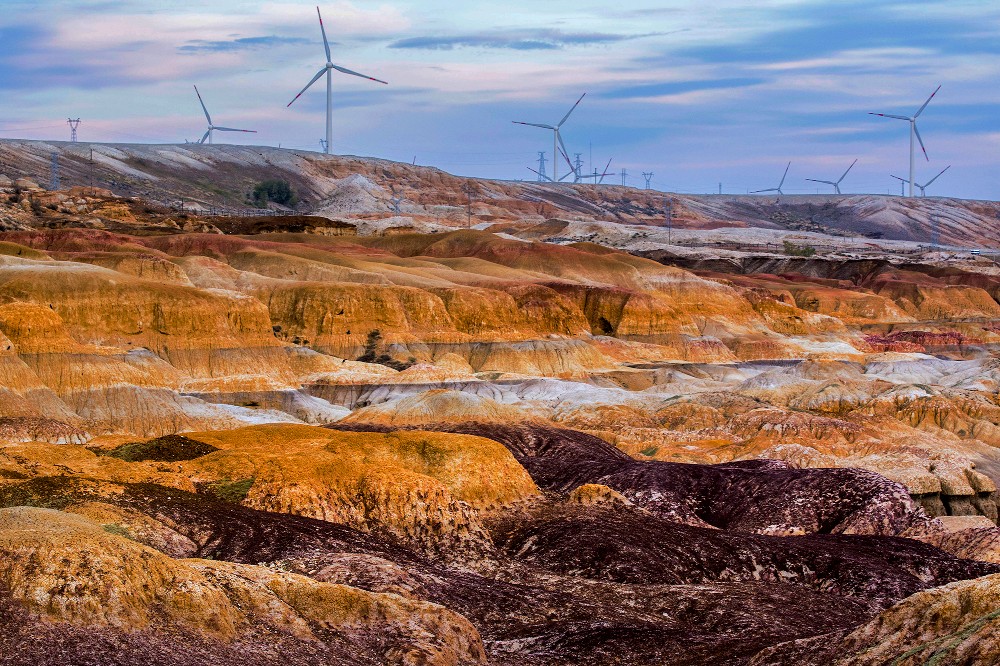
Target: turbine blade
column 570, row 112
column 905, row 180
column 886, row 115
column 540, row 174
column 917, row 132
column 937, row 176
column 608, row 166
column 326, row 44
column 847, row 172
column 565, row 153
column 921, row 109
column 308, row 85
column 825, row 182
column 232, row 129
column 784, row 176
column 203, row 105
column 205, row 138
column 548, row 127
column 363, row 76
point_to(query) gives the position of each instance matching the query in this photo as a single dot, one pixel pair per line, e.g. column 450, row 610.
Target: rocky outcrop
column 125, row 596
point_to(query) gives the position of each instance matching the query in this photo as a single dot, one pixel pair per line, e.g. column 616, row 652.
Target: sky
column 700, row 94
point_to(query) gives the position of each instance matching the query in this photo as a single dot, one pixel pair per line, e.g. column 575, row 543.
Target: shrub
column 278, row 191
column 793, row 250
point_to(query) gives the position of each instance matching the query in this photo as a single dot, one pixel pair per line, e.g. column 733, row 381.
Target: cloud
column 239, row 44
column 678, row 87
column 517, row 40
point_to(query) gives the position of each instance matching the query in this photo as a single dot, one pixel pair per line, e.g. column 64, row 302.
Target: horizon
column 696, row 95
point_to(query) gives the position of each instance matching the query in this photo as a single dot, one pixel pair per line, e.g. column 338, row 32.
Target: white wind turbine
column 780, row 185
column 836, row 184
column 328, row 70
column 557, row 141
column 914, row 132
column 211, row 126
column 923, row 188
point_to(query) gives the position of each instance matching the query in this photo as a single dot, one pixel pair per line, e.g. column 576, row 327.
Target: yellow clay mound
column 70, row 569
column 426, row 487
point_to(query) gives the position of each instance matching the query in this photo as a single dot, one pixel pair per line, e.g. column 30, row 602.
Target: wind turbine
column 923, row 188
column 328, row 70
column 557, row 141
column 211, row 126
column 902, row 185
column 836, row 185
column 914, row 132
column 780, row 185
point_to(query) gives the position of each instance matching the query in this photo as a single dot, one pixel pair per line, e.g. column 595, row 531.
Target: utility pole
column 54, row 182
column 73, row 124
column 648, row 175
column 469, row 191
column 322, row 144
column 91, row 171
column 578, row 166
column 669, row 210
column 624, row 175
column 541, row 166
column 720, row 188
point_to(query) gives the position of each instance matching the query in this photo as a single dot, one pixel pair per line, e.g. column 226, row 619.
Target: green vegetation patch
column 278, row 191
column 170, row 448
column 793, row 250
column 233, row 492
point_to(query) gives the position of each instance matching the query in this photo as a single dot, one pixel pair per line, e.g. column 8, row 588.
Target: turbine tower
column 780, row 185
column 836, row 184
column 328, row 70
column 557, row 141
column 902, row 185
column 211, row 126
column 914, row 132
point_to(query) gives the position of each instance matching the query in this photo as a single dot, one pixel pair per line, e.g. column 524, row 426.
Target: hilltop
column 207, row 177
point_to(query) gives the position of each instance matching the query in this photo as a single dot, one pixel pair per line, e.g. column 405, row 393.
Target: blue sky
column 697, row 92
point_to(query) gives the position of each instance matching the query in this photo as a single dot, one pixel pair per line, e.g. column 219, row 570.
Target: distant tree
column 793, row 250
column 278, row 191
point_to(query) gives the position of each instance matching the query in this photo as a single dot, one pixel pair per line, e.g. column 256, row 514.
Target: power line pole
column 541, row 166
column 322, row 143
column 669, row 210
column 720, row 188
column 648, row 175
column 624, row 175
column 578, row 166
column 73, row 124
column 469, row 191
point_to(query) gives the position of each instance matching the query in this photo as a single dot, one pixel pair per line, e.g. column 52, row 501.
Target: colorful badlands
column 546, row 454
